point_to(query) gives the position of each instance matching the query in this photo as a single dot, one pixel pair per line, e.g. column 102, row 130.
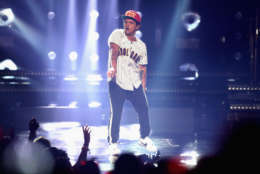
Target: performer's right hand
column 111, row 73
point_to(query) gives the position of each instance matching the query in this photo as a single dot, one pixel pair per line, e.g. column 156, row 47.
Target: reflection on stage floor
column 68, row 136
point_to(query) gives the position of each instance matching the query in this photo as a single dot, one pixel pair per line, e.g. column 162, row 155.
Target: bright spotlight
column 196, row 75
column 8, row 64
column 6, row 17
column 94, row 58
column 94, row 14
column 94, row 77
column 73, row 56
column 52, row 105
column 73, row 104
column 95, row 36
column 8, row 77
column 70, row 78
column 94, row 104
column 52, row 55
column 190, row 158
column 51, row 15
column 189, row 67
column 191, row 20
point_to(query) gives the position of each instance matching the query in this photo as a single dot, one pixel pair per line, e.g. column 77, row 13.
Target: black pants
column 117, row 98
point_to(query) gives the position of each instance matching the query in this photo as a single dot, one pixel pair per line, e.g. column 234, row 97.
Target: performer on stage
column 127, row 70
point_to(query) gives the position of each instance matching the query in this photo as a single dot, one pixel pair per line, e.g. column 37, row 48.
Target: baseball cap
column 132, row 14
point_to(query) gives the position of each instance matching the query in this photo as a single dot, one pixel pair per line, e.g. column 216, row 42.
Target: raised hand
column 33, row 124
column 84, row 150
column 86, row 132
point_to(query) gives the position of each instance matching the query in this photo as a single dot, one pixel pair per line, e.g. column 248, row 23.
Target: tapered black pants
column 139, row 101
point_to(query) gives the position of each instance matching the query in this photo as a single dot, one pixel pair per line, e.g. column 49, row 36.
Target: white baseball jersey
column 131, row 55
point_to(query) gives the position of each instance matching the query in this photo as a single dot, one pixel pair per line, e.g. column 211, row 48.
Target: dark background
column 229, row 19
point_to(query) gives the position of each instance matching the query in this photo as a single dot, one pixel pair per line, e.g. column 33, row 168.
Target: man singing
column 127, row 79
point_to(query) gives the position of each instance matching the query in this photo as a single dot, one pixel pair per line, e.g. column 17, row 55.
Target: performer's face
column 130, row 26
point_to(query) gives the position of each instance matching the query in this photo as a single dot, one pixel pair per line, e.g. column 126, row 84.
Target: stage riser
column 164, row 121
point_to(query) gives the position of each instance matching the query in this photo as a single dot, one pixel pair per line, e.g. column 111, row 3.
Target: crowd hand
column 33, row 125
column 83, row 154
column 86, row 133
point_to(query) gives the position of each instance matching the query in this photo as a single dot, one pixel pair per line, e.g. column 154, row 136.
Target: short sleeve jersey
column 131, row 55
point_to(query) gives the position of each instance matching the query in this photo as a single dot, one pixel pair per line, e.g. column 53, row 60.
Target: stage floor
column 68, row 136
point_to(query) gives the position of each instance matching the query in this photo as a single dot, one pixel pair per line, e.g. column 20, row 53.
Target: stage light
column 190, row 158
column 26, row 83
column 231, row 80
column 51, row 15
column 191, row 20
column 167, row 52
column 73, row 104
column 94, row 77
column 94, row 14
column 90, row 51
column 6, row 17
column 94, row 104
column 94, row 58
column 52, row 105
column 95, row 36
column 13, row 83
column 238, row 56
column 223, row 39
column 189, row 78
column 8, row 64
column 70, row 78
column 8, row 77
column 245, row 107
column 189, row 67
column 242, row 88
column 196, row 74
column 52, row 55
column 73, row 56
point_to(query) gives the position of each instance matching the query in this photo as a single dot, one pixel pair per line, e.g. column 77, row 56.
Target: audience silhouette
column 236, row 153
